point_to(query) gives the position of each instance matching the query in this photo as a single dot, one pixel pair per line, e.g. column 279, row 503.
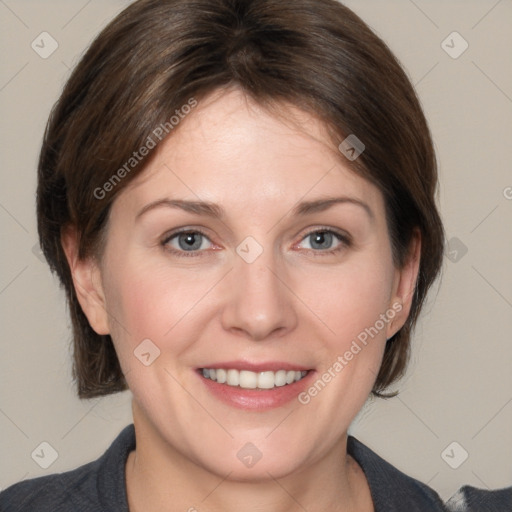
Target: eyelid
column 170, row 235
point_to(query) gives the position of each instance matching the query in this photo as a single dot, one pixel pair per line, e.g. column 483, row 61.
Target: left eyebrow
column 320, row 205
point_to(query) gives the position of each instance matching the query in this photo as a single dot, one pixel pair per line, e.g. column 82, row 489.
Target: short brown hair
column 158, row 54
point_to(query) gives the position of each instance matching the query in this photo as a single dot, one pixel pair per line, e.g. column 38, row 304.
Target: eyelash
column 345, row 240
column 185, row 254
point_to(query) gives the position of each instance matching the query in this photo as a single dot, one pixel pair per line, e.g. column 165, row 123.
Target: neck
column 161, row 478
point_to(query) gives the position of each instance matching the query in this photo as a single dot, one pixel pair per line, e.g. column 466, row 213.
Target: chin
column 253, row 471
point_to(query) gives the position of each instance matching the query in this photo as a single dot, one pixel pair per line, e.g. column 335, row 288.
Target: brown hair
column 157, row 55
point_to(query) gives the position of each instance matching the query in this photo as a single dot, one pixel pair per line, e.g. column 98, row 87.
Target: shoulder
column 471, row 499
column 390, row 488
column 57, row 493
column 88, row 488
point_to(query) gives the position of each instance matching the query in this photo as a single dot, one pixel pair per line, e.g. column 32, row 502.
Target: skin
column 294, row 303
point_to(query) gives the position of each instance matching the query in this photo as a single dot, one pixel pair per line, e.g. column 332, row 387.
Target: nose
column 260, row 304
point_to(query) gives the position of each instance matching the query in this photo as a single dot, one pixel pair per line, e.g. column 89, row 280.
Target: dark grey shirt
column 99, row 486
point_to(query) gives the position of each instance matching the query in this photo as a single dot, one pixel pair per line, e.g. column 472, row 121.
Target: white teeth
column 248, row 380
column 280, row 378
column 252, row 380
column 233, row 378
column 266, row 380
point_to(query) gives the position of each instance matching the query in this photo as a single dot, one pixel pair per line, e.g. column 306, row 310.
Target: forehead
column 233, row 151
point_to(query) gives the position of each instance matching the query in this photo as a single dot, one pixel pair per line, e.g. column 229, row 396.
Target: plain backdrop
column 456, row 400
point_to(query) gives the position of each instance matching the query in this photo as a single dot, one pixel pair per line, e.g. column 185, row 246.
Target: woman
column 238, row 198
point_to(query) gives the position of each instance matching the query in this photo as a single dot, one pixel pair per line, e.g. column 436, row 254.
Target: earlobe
column 87, row 283
column 404, row 286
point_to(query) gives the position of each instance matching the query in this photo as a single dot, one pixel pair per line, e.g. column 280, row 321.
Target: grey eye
column 322, row 240
column 188, row 241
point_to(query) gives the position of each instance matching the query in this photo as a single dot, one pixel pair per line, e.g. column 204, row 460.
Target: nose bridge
column 259, row 303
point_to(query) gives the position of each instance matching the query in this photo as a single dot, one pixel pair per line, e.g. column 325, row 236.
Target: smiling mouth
column 246, row 379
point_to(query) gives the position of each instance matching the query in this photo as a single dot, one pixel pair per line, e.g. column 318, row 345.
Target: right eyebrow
column 197, row 207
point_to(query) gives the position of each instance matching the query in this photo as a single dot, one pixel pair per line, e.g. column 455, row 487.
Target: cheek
column 153, row 302
column 353, row 303
column 351, row 298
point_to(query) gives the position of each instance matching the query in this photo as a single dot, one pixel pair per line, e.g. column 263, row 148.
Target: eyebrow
column 320, row 205
column 215, row 211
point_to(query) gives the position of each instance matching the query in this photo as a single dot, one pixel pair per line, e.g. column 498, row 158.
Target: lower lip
column 256, row 399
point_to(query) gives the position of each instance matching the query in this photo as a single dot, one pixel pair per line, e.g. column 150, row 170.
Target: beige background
column 459, row 385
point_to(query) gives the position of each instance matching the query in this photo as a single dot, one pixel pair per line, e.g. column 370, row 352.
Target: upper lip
column 273, row 366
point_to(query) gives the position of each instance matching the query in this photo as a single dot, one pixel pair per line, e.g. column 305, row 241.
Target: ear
column 87, row 282
column 404, row 286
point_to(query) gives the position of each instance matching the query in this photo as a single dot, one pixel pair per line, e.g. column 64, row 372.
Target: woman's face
column 284, row 265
